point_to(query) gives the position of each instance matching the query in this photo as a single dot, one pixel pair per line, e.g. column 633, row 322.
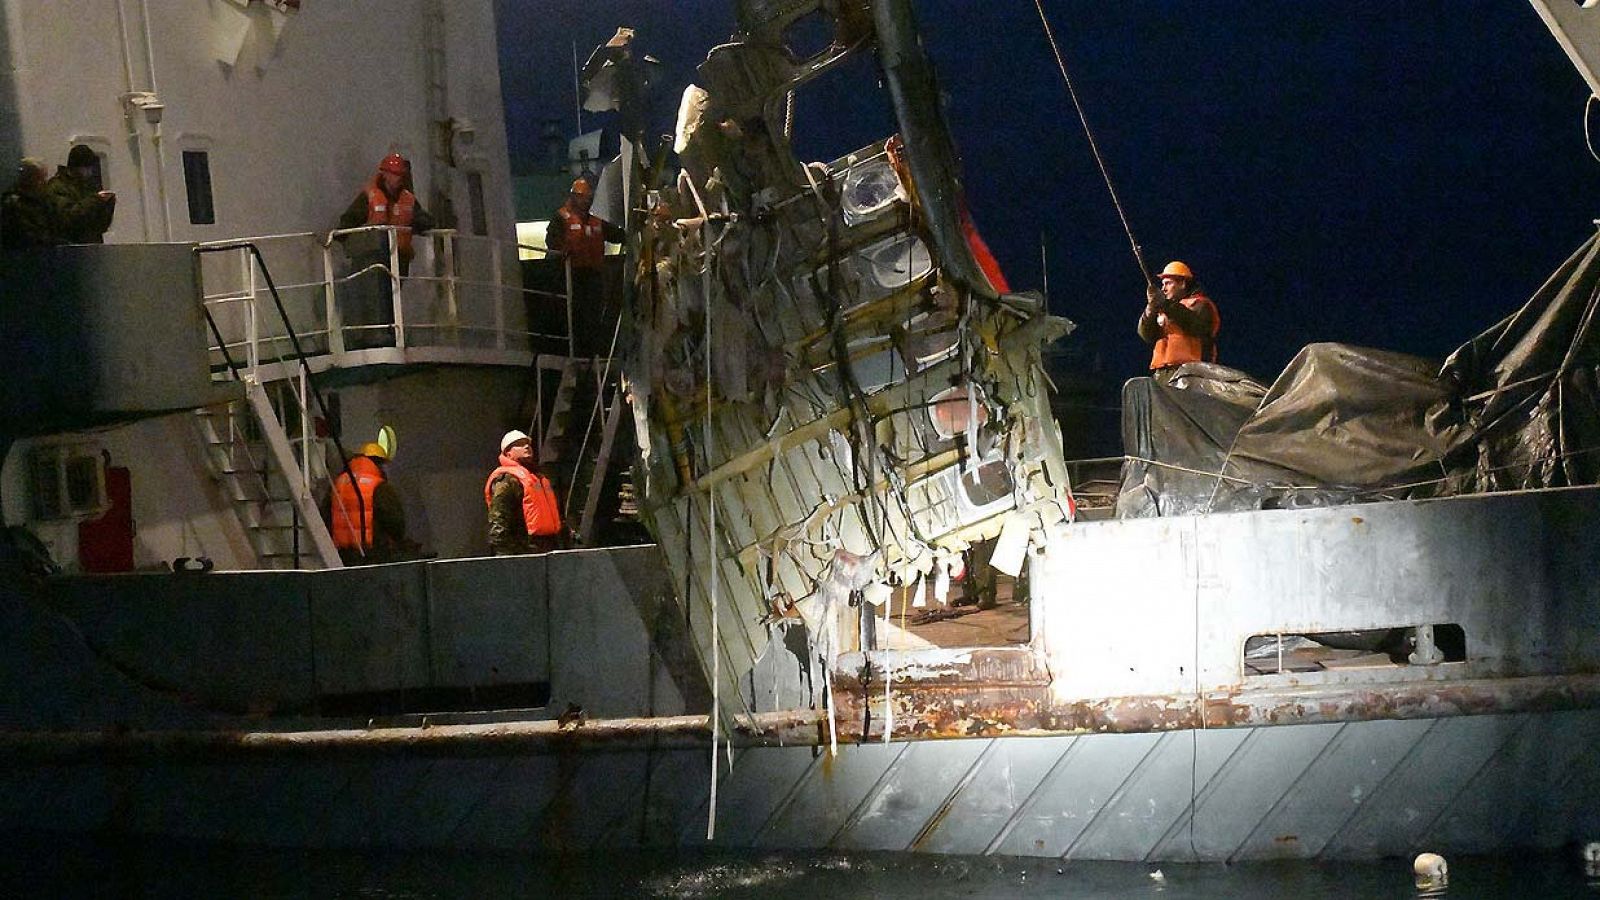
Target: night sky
column 1395, row 175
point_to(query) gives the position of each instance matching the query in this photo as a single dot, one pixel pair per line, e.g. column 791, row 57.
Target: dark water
column 51, row 867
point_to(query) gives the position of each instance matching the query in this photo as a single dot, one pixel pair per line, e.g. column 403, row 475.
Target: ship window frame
column 477, row 202
column 54, row 469
column 198, row 186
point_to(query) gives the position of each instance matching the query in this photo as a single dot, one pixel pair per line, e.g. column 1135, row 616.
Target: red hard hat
column 395, row 164
column 582, row 188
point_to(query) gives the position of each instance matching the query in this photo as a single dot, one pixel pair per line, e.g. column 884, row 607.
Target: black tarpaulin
column 1516, row 407
column 1528, row 386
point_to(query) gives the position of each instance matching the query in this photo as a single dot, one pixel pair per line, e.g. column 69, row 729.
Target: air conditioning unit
column 69, row 481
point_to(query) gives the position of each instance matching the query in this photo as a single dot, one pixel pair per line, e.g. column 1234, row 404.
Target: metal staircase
column 270, row 477
column 255, row 462
column 578, row 437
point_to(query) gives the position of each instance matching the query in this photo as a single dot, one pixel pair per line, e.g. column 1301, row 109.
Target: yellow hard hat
column 1177, row 269
column 373, row 450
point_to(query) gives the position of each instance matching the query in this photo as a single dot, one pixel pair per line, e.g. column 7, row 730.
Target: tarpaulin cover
column 1516, row 407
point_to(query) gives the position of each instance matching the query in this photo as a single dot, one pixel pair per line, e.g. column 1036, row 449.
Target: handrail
column 484, row 297
column 305, row 370
column 339, row 232
column 222, row 345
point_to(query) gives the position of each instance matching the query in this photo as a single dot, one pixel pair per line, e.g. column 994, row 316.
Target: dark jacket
column 508, row 533
column 555, row 234
column 27, row 220
column 388, row 513
column 355, row 216
column 82, row 216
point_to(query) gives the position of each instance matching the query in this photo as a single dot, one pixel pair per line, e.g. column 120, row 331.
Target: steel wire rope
column 711, row 548
column 1094, row 146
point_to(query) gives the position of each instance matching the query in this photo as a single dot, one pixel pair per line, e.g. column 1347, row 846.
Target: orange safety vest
column 540, row 514
column 352, row 504
column 585, row 240
column 380, row 211
column 1174, row 347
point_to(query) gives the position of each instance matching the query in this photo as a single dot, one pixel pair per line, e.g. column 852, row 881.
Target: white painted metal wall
column 293, row 129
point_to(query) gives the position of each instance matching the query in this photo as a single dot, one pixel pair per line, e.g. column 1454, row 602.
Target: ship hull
column 1351, row 790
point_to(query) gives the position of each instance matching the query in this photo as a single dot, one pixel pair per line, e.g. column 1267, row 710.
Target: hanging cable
column 1138, row 253
column 1586, row 141
column 711, row 551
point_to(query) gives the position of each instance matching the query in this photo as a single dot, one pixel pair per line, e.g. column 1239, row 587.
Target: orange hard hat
column 1177, row 269
column 394, row 164
column 581, row 187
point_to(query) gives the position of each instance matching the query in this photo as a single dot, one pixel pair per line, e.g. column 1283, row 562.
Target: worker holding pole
column 1179, row 321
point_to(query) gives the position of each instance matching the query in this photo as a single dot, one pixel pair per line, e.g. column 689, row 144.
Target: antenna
column 577, row 88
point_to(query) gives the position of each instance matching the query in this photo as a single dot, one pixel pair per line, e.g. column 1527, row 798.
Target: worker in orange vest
column 368, row 305
column 523, row 514
column 1180, row 322
column 364, row 512
column 387, row 200
column 579, row 237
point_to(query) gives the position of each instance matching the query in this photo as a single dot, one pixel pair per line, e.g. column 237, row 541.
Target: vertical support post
column 330, row 302
column 538, row 403
column 1424, row 651
column 395, row 298
column 253, row 326
column 451, row 308
column 500, row 298
column 571, row 338
column 305, row 434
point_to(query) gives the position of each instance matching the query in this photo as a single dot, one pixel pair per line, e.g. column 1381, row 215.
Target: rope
column 711, row 550
column 1138, row 254
column 1407, row 485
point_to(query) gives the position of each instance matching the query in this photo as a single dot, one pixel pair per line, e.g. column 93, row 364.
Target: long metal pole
column 1061, row 63
column 577, row 88
column 1044, row 269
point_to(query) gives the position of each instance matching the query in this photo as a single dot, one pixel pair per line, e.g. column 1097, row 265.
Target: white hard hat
column 512, row 437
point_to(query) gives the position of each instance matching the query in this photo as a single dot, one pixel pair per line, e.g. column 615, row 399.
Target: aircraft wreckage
column 837, row 392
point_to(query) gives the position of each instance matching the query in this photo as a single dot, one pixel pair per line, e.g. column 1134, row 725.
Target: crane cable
column 1049, row 33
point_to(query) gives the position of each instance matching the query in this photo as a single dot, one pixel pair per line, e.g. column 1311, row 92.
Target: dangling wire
column 711, row 556
column 1138, row 253
column 1586, row 141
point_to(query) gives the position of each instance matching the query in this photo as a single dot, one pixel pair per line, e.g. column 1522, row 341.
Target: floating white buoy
column 1431, row 871
column 1591, row 859
column 1158, row 875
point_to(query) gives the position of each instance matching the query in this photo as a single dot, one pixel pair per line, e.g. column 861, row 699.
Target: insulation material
column 1011, row 549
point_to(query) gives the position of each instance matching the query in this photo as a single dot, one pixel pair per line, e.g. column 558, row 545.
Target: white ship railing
column 461, row 301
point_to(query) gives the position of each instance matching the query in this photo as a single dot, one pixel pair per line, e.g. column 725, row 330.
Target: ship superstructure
column 234, row 134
